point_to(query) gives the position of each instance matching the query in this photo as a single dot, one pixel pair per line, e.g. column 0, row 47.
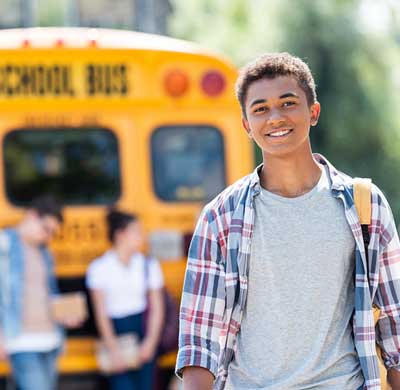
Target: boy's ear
column 315, row 112
column 245, row 124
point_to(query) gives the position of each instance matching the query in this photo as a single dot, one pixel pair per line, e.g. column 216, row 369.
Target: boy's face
column 279, row 117
column 41, row 229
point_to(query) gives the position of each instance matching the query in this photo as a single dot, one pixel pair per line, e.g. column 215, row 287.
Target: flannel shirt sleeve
column 388, row 292
column 203, row 299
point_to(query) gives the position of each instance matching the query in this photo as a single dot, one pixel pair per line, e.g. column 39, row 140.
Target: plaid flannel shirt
column 215, row 287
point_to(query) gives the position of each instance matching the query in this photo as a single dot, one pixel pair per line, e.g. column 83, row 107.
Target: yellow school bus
column 100, row 117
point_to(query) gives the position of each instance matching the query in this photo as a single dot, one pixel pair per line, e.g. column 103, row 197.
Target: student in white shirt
column 121, row 292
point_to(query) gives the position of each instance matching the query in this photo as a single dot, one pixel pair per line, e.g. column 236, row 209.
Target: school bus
column 99, row 117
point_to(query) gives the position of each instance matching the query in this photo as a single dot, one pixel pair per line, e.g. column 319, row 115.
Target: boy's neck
column 290, row 176
column 23, row 230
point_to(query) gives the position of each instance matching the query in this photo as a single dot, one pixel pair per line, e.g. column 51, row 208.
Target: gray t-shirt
column 296, row 331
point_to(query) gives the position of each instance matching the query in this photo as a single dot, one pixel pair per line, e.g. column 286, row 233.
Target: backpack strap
column 146, row 273
column 362, row 201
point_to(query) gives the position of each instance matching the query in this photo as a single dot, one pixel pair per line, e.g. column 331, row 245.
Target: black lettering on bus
column 7, row 80
column 116, row 78
column 33, row 81
column 124, row 80
column 68, row 80
column 99, row 78
column 25, row 80
column 56, row 80
column 107, row 79
column 17, row 80
column 41, row 80
column 90, row 80
column 49, row 79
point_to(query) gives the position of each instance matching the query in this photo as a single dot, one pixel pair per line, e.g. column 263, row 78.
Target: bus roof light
column 92, row 42
column 213, row 83
column 59, row 43
column 176, row 83
column 26, row 43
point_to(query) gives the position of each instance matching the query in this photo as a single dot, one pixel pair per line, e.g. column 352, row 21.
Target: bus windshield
column 77, row 165
column 188, row 163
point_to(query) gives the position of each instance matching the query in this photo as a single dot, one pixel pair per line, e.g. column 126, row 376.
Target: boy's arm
column 197, row 378
column 202, row 305
column 388, row 296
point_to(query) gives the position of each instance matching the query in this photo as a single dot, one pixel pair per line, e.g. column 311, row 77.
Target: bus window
column 78, row 165
column 188, row 163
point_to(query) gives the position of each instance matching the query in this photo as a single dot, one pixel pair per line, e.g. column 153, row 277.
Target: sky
column 376, row 14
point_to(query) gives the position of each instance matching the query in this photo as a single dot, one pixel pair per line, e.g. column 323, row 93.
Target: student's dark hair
column 47, row 205
column 270, row 66
column 118, row 220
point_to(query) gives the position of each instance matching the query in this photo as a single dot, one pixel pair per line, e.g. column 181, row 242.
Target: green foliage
column 353, row 67
column 240, row 29
column 358, row 129
column 51, row 13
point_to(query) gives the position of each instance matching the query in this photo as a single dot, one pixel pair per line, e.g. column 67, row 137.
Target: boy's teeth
column 279, row 133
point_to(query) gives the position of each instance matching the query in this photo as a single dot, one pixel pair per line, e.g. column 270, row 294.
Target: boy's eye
column 288, row 104
column 260, row 109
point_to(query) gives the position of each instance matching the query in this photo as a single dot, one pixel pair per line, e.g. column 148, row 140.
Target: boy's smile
column 278, row 116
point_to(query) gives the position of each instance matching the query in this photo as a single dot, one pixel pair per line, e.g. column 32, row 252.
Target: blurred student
column 122, row 283
column 30, row 337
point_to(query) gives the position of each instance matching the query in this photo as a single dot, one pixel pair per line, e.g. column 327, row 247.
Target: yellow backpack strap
column 362, row 199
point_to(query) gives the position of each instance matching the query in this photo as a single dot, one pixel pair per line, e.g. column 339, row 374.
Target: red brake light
column 213, row 83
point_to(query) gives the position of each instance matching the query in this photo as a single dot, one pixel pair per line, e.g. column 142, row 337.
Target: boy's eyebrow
column 257, row 101
column 288, row 94
column 285, row 95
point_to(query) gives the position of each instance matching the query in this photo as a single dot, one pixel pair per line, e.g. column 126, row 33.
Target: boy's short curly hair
column 274, row 65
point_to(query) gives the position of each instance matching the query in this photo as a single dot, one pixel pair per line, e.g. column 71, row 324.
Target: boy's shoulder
column 232, row 196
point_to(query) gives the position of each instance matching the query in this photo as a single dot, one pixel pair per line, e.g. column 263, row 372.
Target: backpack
column 170, row 331
column 362, row 201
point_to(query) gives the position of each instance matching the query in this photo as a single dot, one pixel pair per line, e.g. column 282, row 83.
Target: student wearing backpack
column 122, row 286
column 279, row 290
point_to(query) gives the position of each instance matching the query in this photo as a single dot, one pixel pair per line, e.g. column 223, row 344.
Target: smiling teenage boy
column 277, row 295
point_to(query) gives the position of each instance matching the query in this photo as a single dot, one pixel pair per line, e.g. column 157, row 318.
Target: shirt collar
column 336, row 178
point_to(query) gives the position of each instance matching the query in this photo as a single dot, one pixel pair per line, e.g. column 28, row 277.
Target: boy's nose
column 275, row 120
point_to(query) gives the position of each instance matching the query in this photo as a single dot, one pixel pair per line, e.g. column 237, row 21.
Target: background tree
column 354, row 67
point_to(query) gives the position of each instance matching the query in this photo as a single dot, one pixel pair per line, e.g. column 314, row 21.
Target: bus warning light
column 92, row 42
column 213, row 83
column 26, row 43
column 59, row 43
column 176, row 83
